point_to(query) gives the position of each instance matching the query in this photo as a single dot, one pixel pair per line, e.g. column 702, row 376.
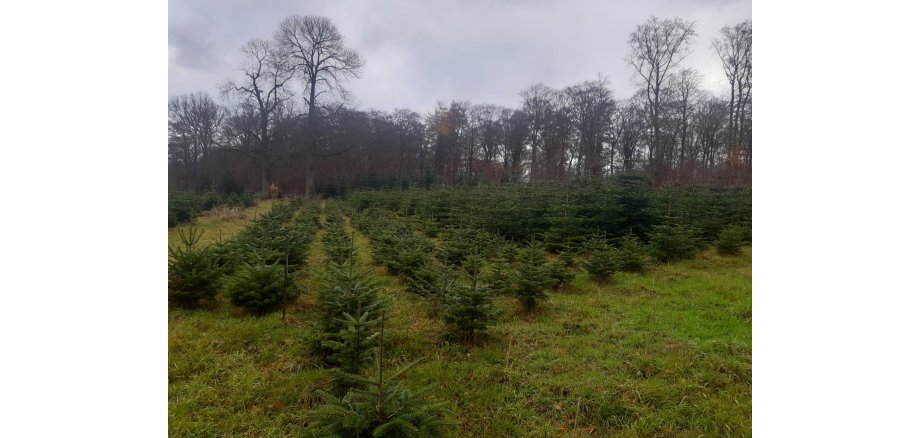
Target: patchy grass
column 664, row 353
column 221, row 226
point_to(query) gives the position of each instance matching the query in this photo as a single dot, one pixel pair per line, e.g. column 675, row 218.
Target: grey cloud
column 419, row 52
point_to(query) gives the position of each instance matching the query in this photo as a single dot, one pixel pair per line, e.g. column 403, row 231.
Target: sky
column 420, row 52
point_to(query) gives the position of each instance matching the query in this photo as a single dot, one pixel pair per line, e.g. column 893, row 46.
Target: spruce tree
column 261, row 287
column 469, row 310
column 352, row 349
column 378, row 407
column 531, row 276
column 345, row 289
column 602, row 258
column 631, row 254
column 730, row 239
column 673, row 242
column 194, row 274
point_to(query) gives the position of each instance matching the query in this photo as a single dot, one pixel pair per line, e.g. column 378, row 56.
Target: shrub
column 631, row 254
column 261, row 288
column 173, row 220
column 730, row 239
column 673, row 242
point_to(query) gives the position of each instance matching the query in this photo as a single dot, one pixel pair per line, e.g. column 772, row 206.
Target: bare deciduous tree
column 194, row 126
column 316, row 49
column 734, row 49
column 657, row 47
column 261, row 93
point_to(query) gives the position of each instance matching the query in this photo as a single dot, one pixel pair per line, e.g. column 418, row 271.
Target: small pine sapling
column 673, row 242
column 730, row 239
column 602, row 258
column 378, row 407
column 352, row 349
column 562, row 270
column 631, row 254
column 193, row 274
column 532, row 276
column 261, row 287
column 345, row 290
column 469, row 311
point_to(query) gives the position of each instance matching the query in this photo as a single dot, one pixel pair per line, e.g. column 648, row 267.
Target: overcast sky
column 419, row 52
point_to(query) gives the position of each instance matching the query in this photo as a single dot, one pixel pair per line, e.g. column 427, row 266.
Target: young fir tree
column 352, row 349
column 631, row 254
column 730, row 240
column 673, row 242
column 337, row 243
column 469, row 311
column 194, row 275
column 378, row 407
column 345, row 289
column 562, row 270
column 531, row 276
column 261, row 287
column 602, row 258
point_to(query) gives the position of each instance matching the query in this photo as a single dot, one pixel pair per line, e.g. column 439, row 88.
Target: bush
column 673, row 242
column 173, row 220
column 731, row 238
column 261, row 288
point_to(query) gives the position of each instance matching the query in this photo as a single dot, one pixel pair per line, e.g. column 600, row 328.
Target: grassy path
column 221, row 229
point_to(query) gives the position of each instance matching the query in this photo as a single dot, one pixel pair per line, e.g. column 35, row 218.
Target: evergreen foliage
column 378, row 407
column 352, row 349
column 261, row 287
column 731, row 238
column 532, row 276
column 631, row 254
column 603, row 259
column 469, row 310
column 345, row 290
column 562, row 270
column 193, row 274
column 673, row 242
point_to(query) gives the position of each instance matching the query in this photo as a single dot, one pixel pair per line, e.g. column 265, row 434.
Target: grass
column 217, row 228
column 663, row 353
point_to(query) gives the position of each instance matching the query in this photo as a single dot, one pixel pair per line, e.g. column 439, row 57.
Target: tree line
column 284, row 119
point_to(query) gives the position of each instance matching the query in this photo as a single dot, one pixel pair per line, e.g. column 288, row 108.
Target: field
column 665, row 352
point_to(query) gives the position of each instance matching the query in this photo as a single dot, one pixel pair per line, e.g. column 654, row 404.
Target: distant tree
column 261, row 94
column 657, row 48
column 195, row 122
column 315, row 48
column 735, row 51
column 592, row 109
